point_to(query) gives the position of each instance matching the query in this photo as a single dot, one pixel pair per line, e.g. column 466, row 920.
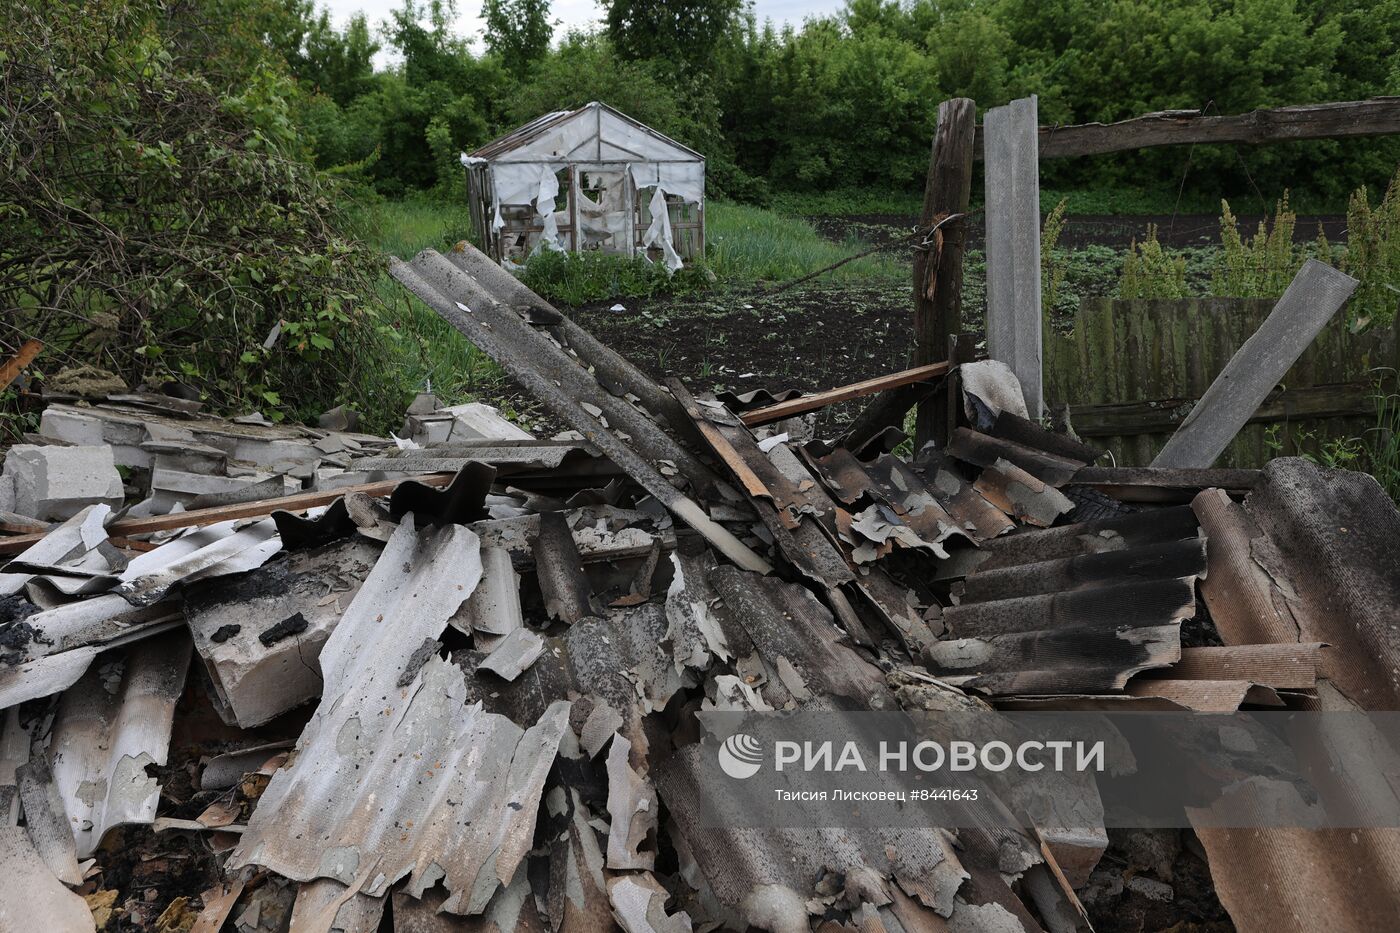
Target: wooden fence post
column 1012, row 179
column 938, row 270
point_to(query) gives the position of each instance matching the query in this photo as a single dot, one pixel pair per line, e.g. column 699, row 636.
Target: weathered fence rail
column 1131, row 370
column 1379, row 116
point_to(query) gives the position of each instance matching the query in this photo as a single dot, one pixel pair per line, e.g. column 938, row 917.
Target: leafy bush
column 153, row 223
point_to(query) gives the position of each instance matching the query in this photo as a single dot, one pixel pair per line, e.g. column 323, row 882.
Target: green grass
column 1097, row 200
column 746, row 246
column 750, row 244
column 847, row 202
column 426, row 350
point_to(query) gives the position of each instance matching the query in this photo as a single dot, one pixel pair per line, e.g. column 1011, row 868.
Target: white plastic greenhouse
column 588, row 179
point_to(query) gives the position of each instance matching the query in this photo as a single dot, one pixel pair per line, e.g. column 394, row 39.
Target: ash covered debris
column 314, row 680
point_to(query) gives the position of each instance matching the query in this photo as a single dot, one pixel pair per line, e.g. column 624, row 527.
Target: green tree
column 160, row 224
column 674, row 32
column 518, row 31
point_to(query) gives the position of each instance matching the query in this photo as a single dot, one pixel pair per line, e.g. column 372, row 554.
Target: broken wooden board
column 803, row 404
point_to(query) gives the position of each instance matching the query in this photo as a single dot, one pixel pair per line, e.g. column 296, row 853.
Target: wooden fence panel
column 1130, row 371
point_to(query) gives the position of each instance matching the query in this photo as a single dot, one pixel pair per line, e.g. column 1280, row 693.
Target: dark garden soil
column 811, row 337
column 1081, row 230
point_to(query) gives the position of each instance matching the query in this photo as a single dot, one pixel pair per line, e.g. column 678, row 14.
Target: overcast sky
column 569, row 13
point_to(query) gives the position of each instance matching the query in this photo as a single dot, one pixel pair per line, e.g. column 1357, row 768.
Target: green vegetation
column 1150, row 272
column 847, row 103
column 156, row 222
column 1261, row 266
column 1375, row 451
column 750, row 244
column 575, row 279
column 747, row 246
column 426, row 349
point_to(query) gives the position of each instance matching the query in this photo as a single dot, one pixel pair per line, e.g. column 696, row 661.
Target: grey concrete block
column 55, row 483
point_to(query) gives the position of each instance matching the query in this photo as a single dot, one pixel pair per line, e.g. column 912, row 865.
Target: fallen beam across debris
column 299, row 502
column 1315, row 294
column 808, row 403
column 569, row 407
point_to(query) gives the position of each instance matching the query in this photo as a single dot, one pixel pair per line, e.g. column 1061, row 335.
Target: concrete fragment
column 478, row 421
column 255, row 681
column 55, row 483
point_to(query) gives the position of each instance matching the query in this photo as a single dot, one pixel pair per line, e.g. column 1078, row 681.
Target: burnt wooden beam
column 806, row 403
column 1379, row 116
column 938, row 264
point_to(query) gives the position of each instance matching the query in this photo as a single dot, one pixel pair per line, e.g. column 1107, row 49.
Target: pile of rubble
column 317, row 680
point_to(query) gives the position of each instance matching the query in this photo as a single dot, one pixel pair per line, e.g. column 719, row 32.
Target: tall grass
column 427, row 351
column 749, row 244
column 1383, row 441
column 745, row 246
